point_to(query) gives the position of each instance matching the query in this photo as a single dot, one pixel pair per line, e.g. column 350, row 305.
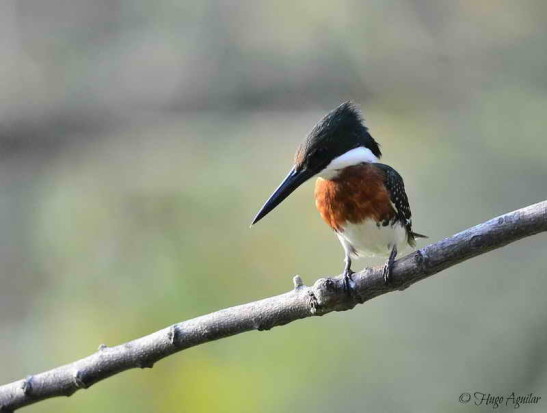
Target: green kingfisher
column 362, row 200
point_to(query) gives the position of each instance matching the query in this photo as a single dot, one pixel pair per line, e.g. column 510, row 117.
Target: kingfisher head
column 339, row 140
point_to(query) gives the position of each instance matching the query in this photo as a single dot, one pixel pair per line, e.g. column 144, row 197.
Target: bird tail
column 412, row 238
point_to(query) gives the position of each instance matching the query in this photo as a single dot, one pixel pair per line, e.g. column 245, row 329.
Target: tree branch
column 325, row 296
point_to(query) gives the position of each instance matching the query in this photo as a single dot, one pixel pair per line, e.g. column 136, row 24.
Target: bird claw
column 389, row 265
column 387, row 272
column 348, row 280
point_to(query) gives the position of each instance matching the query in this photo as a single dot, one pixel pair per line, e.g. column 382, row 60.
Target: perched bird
column 362, row 200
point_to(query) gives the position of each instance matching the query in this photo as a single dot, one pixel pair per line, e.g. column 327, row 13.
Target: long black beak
column 293, row 180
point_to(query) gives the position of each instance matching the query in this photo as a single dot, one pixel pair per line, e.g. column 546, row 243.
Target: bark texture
column 325, row 296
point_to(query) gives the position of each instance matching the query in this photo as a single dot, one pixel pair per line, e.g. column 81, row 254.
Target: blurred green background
column 139, row 138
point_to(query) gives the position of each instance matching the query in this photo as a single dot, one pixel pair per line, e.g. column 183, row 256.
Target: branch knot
column 78, row 380
column 27, row 386
column 297, row 282
column 313, row 302
column 172, row 335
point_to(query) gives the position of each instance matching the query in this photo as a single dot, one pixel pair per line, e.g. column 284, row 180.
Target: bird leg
column 389, row 264
column 348, row 275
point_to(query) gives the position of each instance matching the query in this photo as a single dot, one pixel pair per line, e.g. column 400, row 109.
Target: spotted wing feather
column 396, row 188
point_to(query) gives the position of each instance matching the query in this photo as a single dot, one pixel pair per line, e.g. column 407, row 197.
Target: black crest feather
column 339, row 131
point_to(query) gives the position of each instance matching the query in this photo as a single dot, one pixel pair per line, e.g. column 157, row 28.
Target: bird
column 362, row 200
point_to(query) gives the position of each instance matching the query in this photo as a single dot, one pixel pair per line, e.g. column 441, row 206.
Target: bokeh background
column 139, row 138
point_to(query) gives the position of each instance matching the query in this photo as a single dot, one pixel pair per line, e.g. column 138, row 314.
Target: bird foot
column 387, row 272
column 389, row 265
column 348, row 281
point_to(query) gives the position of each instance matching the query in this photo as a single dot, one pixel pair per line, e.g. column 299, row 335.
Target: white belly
column 367, row 239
